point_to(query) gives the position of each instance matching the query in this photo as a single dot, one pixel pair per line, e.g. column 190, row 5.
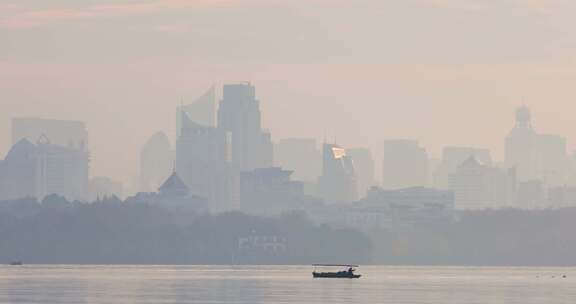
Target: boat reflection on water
column 348, row 273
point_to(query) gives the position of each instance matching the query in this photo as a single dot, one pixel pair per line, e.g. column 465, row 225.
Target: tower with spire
column 521, row 146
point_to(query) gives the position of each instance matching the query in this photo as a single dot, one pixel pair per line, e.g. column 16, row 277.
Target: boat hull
column 335, row 275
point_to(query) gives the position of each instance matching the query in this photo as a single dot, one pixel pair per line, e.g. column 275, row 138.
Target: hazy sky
column 447, row 72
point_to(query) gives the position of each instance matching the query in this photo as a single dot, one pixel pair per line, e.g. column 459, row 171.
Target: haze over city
column 266, row 151
column 360, row 71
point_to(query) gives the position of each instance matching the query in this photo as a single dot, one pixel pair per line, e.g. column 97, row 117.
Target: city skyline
column 266, row 151
column 122, row 67
column 374, row 145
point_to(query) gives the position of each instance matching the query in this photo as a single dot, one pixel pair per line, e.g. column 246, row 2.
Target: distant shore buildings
column 47, row 157
column 223, row 159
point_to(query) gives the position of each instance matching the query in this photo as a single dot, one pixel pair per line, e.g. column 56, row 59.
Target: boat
column 16, row 263
column 348, row 273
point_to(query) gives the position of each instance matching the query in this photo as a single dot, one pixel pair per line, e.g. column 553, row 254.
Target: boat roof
column 336, row 265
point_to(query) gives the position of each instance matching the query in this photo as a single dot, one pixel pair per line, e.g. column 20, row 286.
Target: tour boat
column 344, row 274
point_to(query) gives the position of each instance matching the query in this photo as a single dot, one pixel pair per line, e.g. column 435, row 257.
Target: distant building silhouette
column 61, row 152
column 338, row 183
column 364, row 166
column 477, row 186
column 156, row 162
column 402, row 208
column 239, row 114
column 20, row 172
column 174, row 194
column 203, row 162
column 553, row 160
column 65, row 133
column 270, row 191
column 521, row 146
column 201, row 111
column 300, row 155
column 64, row 171
column 31, row 170
column 452, row 157
column 536, row 157
column 404, row 165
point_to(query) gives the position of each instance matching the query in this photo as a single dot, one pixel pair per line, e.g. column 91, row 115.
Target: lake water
column 283, row 284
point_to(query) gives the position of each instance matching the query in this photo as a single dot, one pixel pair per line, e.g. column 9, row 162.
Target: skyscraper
column 20, row 172
column 39, row 170
column 63, row 171
column 404, row 165
column 364, row 166
column 156, row 162
column 452, row 157
column 62, row 154
column 239, row 114
column 201, row 111
column 478, row 186
column 65, row 133
column 338, row 182
column 552, row 160
column 521, row 146
column 203, row 163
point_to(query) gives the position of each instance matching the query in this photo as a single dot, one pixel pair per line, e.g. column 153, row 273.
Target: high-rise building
column 364, row 166
column 452, row 157
column 65, row 133
column 239, row 114
column 63, row 171
column 300, row 155
column 478, row 186
column 521, row 147
column 265, row 154
column 20, row 172
column 39, row 170
column 404, row 165
column 61, row 148
column 201, row 111
column 338, row 183
column 552, row 160
column 203, row 163
column 156, row 162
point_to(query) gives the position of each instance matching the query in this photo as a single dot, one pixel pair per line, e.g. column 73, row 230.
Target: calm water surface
column 283, row 284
